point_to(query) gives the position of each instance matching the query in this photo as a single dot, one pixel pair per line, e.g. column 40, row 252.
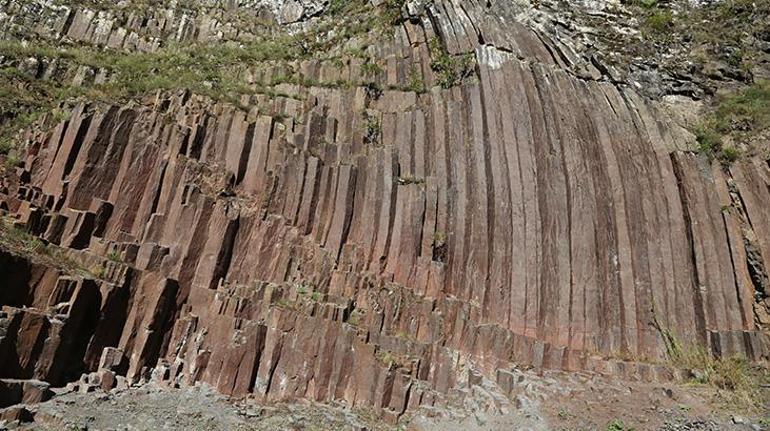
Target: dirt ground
column 555, row 401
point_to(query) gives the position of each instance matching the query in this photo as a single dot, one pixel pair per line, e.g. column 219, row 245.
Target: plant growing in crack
column 416, row 82
column 373, row 129
column 450, row 70
column 439, row 246
column 371, row 69
column 410, row 179
column 114, row 256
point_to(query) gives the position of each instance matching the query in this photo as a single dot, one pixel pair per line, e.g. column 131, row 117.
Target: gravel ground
column 558, row 402
column 151, row 407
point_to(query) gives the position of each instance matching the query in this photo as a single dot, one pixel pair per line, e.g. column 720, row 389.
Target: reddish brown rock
column 339, row 246
column 13, row 391
column 16, row 414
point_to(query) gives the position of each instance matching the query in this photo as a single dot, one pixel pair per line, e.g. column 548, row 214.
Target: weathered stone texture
column 536, row 214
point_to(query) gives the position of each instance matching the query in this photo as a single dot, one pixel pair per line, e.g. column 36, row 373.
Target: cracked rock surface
column 384, row 207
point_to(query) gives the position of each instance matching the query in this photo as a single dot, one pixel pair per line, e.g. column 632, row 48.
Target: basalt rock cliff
column 375, row 222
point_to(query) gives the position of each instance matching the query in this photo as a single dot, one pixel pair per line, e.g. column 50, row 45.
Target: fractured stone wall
column 538, row 214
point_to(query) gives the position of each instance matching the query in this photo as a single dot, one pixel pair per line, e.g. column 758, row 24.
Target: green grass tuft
column 450, row 70
column 740, row 116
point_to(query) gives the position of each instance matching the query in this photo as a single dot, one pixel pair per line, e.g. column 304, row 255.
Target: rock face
column 380, row 248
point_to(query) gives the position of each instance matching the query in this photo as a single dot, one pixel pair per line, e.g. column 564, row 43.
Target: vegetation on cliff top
column 724, row 46
column 729, row 32
column 738, row 119
column 218, row 71
column 120, row 76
